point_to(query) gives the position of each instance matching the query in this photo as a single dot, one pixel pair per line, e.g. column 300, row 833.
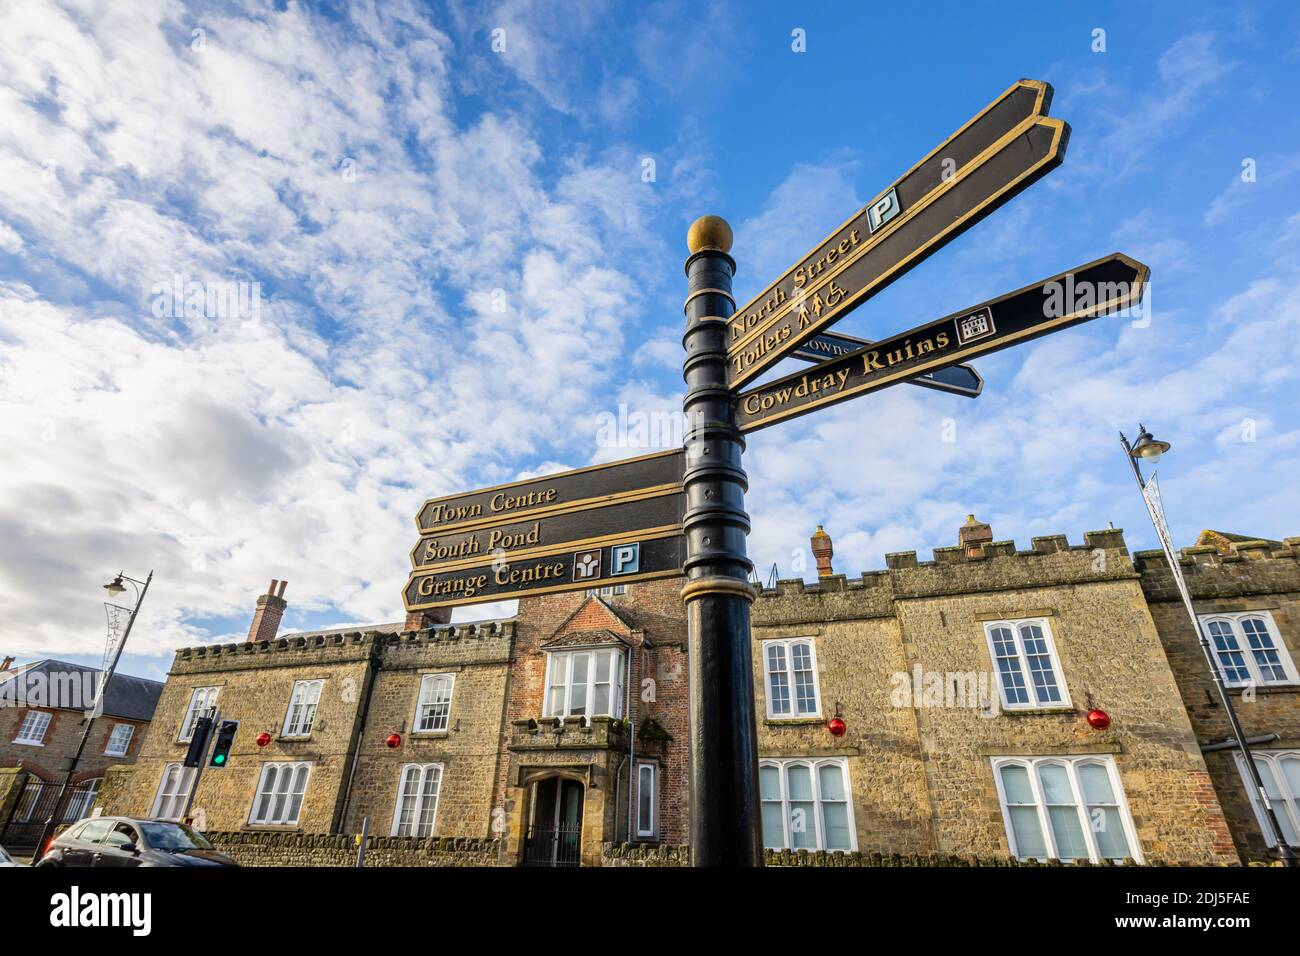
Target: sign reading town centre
column 606, row 524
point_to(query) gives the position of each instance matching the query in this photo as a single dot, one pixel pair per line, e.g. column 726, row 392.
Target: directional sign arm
column 1097, row 288
column 955, row 379
column 990, row 160
column 569, row 570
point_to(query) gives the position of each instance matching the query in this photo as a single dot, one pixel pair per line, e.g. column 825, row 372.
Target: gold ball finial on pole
column 709, row 232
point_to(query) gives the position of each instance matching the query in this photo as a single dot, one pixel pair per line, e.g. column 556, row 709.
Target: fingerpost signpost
column 682, row 512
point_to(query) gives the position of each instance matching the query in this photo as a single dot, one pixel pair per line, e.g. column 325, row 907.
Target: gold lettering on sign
column 432, row 586
column 441, row 513
column 499, row 539
column 504, row 501
column 533, row 573
column 814, row 269
column 812, row 385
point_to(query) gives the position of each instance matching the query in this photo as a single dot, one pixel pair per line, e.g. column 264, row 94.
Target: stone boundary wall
column 624, row 855
column 319, row 849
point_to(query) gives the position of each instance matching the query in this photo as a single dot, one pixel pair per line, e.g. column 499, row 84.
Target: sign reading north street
column 995, row 156
column 955, row 379
column 583, row 567
column 582, row 488
column 1107, row 285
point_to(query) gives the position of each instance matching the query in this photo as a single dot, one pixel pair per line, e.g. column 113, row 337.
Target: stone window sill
column 292, row 739
column 29, row 743
column 1032, row 711
column 1265, row 689
column 794, row 721
column 272, row 828
column 430, row 734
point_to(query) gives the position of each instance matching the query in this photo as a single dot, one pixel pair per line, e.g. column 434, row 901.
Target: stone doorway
column 555, row 823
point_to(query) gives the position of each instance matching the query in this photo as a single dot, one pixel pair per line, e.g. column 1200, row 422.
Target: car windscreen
column 174, row 836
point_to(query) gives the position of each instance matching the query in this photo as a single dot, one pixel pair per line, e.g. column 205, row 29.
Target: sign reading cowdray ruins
column 954, row 379
column 1107, row 285
column 681, row 512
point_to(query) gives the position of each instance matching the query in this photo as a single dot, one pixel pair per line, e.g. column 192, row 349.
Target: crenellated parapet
column 1237, row 569
column 982, row 566
column 451, row 643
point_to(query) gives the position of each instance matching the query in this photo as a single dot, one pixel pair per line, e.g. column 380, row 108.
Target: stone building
column 1246, row 593
column 991, row 702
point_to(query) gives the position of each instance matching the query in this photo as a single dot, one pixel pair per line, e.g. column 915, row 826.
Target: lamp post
column 113, row 587
column 1148, row 449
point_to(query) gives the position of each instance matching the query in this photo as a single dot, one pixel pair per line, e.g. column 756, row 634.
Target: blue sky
column 462, row 263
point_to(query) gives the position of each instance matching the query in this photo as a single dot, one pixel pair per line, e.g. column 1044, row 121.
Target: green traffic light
column 219, row 759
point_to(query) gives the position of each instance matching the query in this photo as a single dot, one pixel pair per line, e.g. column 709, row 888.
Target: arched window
column 1249, row 650
column 806, row 804
column 791, row 669
column 417, row 800
column 1279, row 771
column 1024, row 656
column 1064, row 808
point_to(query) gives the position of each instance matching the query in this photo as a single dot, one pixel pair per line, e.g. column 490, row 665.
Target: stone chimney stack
column 972, row 536
column 4, row 666
column 270, row 608
column 822, row 551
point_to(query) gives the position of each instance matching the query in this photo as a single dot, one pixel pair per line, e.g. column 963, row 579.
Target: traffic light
column 225, row 739
column 198, row 742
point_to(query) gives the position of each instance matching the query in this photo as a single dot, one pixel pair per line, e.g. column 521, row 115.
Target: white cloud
column 320, row 160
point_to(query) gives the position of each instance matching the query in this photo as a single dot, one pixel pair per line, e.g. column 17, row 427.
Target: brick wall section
column 921, row 775
column 1253, row 576
column 48, row 762
column 651, row 613
column 479, row 657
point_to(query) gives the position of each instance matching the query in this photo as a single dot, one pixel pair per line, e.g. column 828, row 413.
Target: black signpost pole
column 724, row 807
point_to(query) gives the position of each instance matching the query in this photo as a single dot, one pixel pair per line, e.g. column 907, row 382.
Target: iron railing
column 554, row 846
column 35, row 805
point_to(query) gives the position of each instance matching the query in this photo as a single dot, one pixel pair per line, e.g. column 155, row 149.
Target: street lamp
column 113, row 587
column 1148, row 449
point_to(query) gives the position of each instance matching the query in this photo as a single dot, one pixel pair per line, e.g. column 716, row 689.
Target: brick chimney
column 4, row 665
column 822, row 551
column 972, row 535
column 270, row 608
column 421, row 620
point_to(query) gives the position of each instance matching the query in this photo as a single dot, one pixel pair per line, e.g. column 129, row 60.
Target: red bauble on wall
column 1098, row 719
column 837, row 727
column 263, row 739
column 393, row 741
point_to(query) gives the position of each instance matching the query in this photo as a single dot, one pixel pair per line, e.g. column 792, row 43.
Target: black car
column 122, row 841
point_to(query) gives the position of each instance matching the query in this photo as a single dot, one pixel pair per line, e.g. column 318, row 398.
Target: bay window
column 585, row 683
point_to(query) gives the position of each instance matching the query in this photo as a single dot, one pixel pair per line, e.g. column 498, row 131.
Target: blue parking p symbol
column 625, row 559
